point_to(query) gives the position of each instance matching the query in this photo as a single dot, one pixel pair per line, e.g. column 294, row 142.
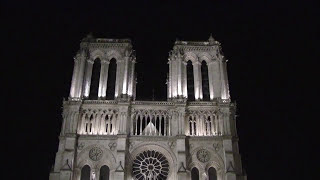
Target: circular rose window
column 150, row 165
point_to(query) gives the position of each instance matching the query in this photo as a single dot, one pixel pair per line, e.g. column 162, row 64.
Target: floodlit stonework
column 108, row 134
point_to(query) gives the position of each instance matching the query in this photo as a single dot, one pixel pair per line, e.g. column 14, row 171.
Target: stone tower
column 108, row 134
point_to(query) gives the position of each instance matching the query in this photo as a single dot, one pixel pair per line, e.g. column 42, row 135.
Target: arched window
column 88, row 125
column 190, row 81
column 85, row 173
column 212, row 173
column 95, row 76
column 104, row 173
column 111, row 83
column 205, row 81
column 194, row 174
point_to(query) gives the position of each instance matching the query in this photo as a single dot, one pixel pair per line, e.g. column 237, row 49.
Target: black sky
column 271, row 47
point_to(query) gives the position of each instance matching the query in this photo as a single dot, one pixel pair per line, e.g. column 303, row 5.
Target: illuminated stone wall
column 147, row 139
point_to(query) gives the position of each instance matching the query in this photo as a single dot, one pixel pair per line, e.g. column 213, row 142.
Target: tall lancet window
column 104, row 173
column 190, row 81
column 85, row 173
column 94, row 86
column 112, row 75
column 205, row 81
column 212, row 173
column 194, row 174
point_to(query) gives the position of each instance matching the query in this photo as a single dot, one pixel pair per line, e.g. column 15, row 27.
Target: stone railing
column 97, row 121
column 150, row 121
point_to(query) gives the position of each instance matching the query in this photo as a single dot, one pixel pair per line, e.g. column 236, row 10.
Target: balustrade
column 203, row 123
column 150, row 123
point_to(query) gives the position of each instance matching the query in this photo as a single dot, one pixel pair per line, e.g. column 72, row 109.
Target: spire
column 211, row 39
column 88, row 38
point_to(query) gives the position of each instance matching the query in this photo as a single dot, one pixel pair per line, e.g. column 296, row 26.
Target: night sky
column 271, row 48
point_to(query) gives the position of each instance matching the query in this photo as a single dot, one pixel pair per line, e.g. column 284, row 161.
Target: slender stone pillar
column 125, row 76
column 73, row 89
column 216, row 80
column 197, row 80
column 184, row 78
column 211, row 81
column 224, row 80
column 174, row 79
column 103, row 79
column 179, row 77
column 87, row 77
column 118, row 88
column 170, row 79
column 81, row 75
column 131, row 78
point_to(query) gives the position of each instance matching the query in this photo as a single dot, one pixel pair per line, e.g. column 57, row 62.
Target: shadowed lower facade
column 109, row 135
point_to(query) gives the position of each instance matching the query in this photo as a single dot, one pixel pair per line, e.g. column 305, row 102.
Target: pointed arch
column 190, row 81
column 85, row 173
column 194, row 174
column 95, row 77
column 104, row 173
column 111, row 82
column 212, row 173
column 205, row 81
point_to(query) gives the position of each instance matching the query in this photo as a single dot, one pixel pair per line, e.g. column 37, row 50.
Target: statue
column 93, row 176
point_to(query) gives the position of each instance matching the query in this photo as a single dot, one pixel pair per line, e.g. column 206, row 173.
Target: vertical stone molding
column 87, row 78
column 103, row 78
column 197, row 80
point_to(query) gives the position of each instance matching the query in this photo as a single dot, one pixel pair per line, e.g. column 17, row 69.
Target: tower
column 108, row 134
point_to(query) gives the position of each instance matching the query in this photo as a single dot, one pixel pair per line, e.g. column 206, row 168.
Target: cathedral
column 108, row 134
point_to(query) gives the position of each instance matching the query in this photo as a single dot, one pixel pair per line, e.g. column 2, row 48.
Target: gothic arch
column 215, row 161
column 204, row 56
column 197, row 165
column 107, row 159
column 112, row 53
column 97, row 53
column 190, row 56
column 215, row 157
column 157, row 147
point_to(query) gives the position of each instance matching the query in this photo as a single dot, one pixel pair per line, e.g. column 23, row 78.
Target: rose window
column 150, row 165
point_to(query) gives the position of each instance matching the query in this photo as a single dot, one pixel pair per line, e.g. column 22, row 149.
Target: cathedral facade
column 108, row 134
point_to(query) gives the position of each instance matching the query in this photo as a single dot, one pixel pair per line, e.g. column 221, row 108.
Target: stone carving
column 216, row 146
column 131, row 144
column 203, row 155
column 172, row 144
column 95, row 153
column 112, row 146
column 191, row 146
column 81, row 146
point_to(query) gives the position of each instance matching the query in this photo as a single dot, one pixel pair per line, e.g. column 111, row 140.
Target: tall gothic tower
column 107, row 134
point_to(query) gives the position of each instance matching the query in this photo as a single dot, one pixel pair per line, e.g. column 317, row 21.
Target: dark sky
column 271, row 48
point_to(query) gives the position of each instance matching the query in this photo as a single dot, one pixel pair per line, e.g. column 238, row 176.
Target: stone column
column 131, row 78
column 197, row 80
column 181, row 158
column 179, row 77
column 211, row 81
column 229, row 160
column 80, row 76
column 170, row 79
column 73, row 89
column 184, row 78
column 103, row 79
column 118, row 88
column 125, row 76
column 224, row 80
column 216, row 80
column 87, row 78
column 174, row 78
